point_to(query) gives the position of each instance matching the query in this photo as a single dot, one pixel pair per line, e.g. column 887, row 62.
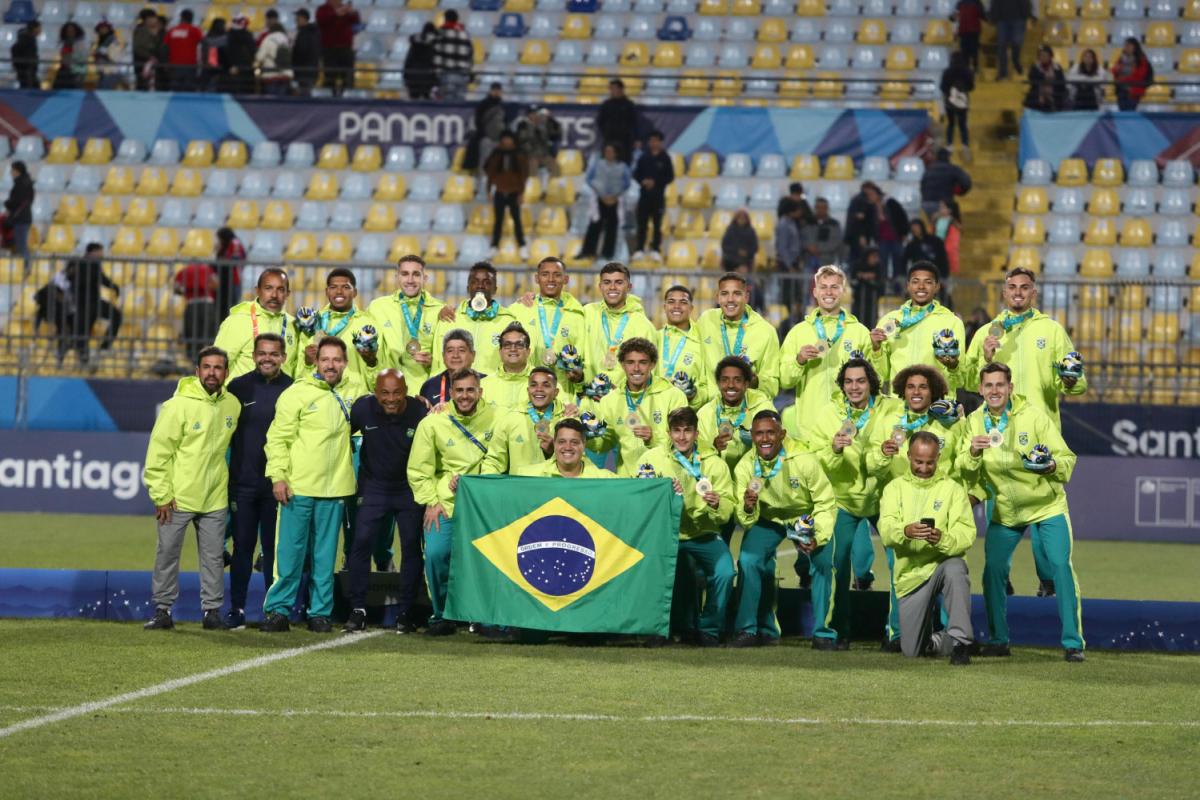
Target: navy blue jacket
column 247, row 458
column 658, row 167
column 386, row 442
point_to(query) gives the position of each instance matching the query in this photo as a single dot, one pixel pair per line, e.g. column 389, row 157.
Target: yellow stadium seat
column 1104, row 202
column 1025, row 258
column 1091, row 295
column 872, row 31
column 718, row 222
column 773, row 30
column 1028, row 230
column 198, row 243
column 711, row 258
column 538, row 249
column 805, row 168
column 333, row 156
column 381, row 218
column 59, row 239
column 689, row 225
column 277, row 216
column 745, row 8
column 535, row 52
column 682, row 255
column 1163, row 328
column 199, row 153
column 533, row 190
column 1072, row 172
column 727, row 84
column 1092, row 33
column 667, row 55
column 577, row 26
column 1136, row 233
column 187, row 183
column 72, row 210
column 829, row 87
column 63, row 150
column 403, row 246
column 938, row 31
column 440, row 250
column 766, row 56
column 703, row 165
column 164, row 243
column 480, row 221
column 322, row 186
column 106, row 210
column 458, row 189
column 1096, row 264
column 839, row 168
column 336, row 247
column 141, row 212
column 1128, row 328
column 118, row 180
column 551, row 221
column 96, row 151
column 301, row 247
column 1094, row 9
column 152, row 182
column 519, row 6
column 243, row 214
column 560, row 192
column 1191, row 9
column 763, row 223
column 1100, row 232
column 693, row 84
column 507, row 225
column 231, row 154
column 128, row 241
column 635, row 54
column 390, row 188
column 1032, row 200
column 1189, row 62
column 696, row 195
column 1089, row 327
column 900, row 58
column 800, row 56
column 570, row 163
column 367, row 158
column 1159, row 34
column 1131, row 297
column 1060, row 9
column 1108, row 172
column 713, row 8
column 480, row 50
column 793, row 90
column 810, row 8
column 1058, row 32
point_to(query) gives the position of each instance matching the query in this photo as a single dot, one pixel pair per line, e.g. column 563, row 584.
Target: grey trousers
column 210, row 547
column 953, row 583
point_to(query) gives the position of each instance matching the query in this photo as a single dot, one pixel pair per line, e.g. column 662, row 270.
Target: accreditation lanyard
column 463, row 429
column 669, row 362
column 864, row 415
column 690, row 463
column 443, row 396
column 819, row 327
column 549, row 332
column 1000, row 425
column 1010, row 320
column 916, row 424
column 909, row 319
column 325, row 317
column 338, row 397
column 254, row 321
column 776, row 466
column 413, row 323
column 738, row 349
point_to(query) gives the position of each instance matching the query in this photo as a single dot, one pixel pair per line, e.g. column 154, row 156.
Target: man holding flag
column 570, row 455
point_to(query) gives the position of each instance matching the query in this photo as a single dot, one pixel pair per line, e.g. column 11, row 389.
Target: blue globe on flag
column 556, row 555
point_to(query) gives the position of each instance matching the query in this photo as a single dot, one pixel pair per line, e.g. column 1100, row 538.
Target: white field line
column 70, row 712
column 536, row 716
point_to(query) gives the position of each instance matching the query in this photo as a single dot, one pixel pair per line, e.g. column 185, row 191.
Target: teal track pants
column 831, row 570
column 893, row 621
column 306, row 530
column 756, row 566
column 1053, row 538
column 437, row 565
column 1045, row 571
column 862, row 554
column 710, row 555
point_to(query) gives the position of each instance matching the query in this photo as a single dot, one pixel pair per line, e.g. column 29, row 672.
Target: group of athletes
column 299, row 426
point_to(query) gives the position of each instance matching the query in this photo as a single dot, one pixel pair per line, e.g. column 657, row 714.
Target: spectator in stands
column 306, row 53
column 1047, row 84
column 795, row 197
column 147, row 49
column 1010, row 18
column 490, row 122
column 947, row 224
column 86, row 277
column 867, row 279
column 970, row 16
column 53, row 305
column 821, row 238
column 274, row 61
column 419, row 74
column 197, row 285
column 24, row 55
column 106, row 54
column 214, row 73
column 239, row 55
column 506, row 170
column 977, row 319
column 608, row 178
column 183, row 49
column 1085, row 82
column 958, row 81
column 739, row 244
column 942, row 181
column 789, row 251
column 874, row 219
column 538, row 135
column 269, row 19
column 654, row 173
column 19, row 208
column 72, row 57
column 925, row 246
column 617, row 121
column 453, row 57
column 336, row 20
column 1133, row 74
column 230, row 256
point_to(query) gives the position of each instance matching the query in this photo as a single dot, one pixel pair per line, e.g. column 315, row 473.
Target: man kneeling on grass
column 927, row 521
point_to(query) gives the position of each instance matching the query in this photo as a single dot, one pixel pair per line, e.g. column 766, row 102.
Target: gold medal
column 725, row 428
column 479, row 303
column 413, row 347
column 996, row 329
column 703, row 486
column 995, row 439
column 822, row 346
column 549, row 358
column 755, row 485
column 610, row 359
column 889, row 327
column 848, row 428
column 542, row 428
column 898, row 436
column 633, row 420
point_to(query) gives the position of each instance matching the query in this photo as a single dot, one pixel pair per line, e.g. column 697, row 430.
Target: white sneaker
column 523, row 252
column 656, row 256
column 638, row 256
column 495, row 251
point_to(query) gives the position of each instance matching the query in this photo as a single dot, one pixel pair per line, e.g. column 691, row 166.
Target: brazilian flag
column 569, row 555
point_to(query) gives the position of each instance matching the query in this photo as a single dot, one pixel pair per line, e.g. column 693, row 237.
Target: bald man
column 387, row 421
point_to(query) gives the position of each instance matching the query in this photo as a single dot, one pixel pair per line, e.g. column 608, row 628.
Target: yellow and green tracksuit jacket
column 394, row 333
column 761, row 343
column 856, row 480
column 910, row 499
column 507, row 390
column 549, row 469
column 690, row 360
column 308, row 443
column 815, row 381
column 596, row 344
column 514, row 440
column 1031, row 349
column 237, row 332
column 800, row 487
column 950, row 439
column 755, row 401
column 653, row 404
column 484, row 328
column 698, row 518
column 572, row 330
column 914, row 345
column 1022, row 497
column 440, row 449
column 362, row 372
column 185, row 460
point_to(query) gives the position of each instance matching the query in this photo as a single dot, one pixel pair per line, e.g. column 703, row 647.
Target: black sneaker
column 275, row 623
column 767, row 641
column 707, row 640
column 744, row 639
column 995, row 651
column 1045, row 589
column 821, row 643
column 213, row 621
column 890, row 646
column 404, row 628
column 161, row 622
column 655, row 642
column 357, row 622
column 443, row 628
column 1008, row 588
column 843, row 644
column 864, row 584
column 1073, row 656
column 496, row 633
column 960, row 656
column 320, row 625
column 235, row 619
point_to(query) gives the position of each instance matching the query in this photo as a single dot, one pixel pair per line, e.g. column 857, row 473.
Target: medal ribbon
column 548, row 331
column 620, row 329
column 988, row 423
column 324, row 323
column 737, row 345
column 537, row 417
column 909, row 427
column 634, row 407
column 864, row 415
column 463, row 429
column 908, row 319
column 487, row 314
column 1010, row 320
column 690, row 463
column 669, row 363
column 741, row 417
column 778, row 464
column 414, row 326
column 819, row 327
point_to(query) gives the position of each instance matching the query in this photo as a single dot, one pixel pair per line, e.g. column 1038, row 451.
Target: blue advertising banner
column 1125, row 135
column 79, row 472
column 1102, row 429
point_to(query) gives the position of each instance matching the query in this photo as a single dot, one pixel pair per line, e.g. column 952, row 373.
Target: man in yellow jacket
column 263, row 314
column 525, row 436
column 681, row 359
column 925, row 518
column 480, row 315
column 406, row 322
column 724, row 422
column 913, row 333
column 312, row 474
column 340, row 318
column 508, row 387
column 554, row 320
column 447, row 446
column 734, row 329
column 1016, row 450
column 780, row 491
column 570, row 455
column 617, row 317
column 188, row 482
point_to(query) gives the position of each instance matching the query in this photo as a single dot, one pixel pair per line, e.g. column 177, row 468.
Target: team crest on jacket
column 849, row 348
column 687, row 359
column 1041, row 344
column 565, row 330
column 794, row 483
column 229, row 422
column 426, row 329
column 1023, row 438
column 412, row 432
column 196, row 426
column 657, row 417
column 941, row 443
column 937, row 505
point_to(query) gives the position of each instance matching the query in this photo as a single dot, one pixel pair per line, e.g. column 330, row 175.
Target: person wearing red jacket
column 1133, row 74
column 336, row 20
column 183, row 45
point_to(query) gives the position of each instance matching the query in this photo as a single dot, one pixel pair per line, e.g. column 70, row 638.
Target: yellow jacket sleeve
column 160, row 454
column 282, row 434
column 959, row 534
column 422, row 463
